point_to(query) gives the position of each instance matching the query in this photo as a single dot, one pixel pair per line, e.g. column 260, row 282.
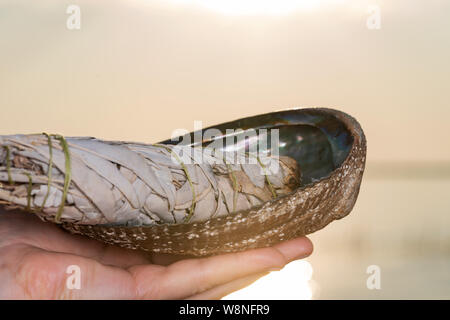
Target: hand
column 34, row 257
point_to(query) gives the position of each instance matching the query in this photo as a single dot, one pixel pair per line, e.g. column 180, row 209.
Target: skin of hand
column 34, row 257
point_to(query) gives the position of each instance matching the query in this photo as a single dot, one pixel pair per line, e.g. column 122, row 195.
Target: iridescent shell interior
column 318, row 141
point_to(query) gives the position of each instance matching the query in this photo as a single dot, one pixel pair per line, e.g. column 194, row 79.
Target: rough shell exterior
column 302, row 212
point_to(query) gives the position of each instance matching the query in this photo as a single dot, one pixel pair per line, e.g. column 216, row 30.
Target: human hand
column 34, row 257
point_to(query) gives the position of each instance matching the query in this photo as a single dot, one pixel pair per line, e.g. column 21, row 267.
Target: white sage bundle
column 90, row 181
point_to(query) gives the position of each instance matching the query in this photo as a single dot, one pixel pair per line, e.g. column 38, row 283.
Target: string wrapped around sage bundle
column 90, row 181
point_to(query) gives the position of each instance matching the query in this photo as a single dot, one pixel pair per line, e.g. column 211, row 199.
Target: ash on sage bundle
column 89, row 181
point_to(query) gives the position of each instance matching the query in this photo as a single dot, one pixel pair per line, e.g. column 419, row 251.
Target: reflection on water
column 400, row 225
column 293, row 283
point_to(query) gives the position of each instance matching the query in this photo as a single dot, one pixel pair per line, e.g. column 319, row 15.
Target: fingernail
column 296, row 251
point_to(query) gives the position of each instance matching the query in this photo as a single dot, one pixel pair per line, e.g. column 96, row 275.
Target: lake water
column 400, row 225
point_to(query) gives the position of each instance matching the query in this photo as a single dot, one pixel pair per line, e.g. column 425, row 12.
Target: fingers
column 227, row 288
column 164, row 259
column 116, row 256
column 45, row 275
column 196, row 278
column 235, row 285
column 295, row 249
column 191, row 277
column 24, row 227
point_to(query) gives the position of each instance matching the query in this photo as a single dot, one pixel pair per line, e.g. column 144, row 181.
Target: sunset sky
column 137, row 70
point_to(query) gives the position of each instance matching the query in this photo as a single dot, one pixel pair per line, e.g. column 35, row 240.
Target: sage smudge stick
column 90, row 181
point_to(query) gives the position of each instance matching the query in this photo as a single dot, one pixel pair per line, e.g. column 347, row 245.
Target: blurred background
column 139, row 69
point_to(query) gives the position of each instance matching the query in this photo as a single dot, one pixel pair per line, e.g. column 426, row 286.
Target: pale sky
column 137, row 70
